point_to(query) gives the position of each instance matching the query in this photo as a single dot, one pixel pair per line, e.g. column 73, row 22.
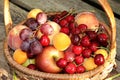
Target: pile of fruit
column 63, row 42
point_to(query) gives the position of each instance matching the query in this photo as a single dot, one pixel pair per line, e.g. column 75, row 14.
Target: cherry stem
column 115, row 76
column 70, row 12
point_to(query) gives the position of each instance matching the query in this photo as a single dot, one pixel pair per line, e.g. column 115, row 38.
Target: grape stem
column 113, row 77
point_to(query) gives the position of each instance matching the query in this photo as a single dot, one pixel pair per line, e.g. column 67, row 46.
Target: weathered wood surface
column 115, row 5
column 18, row 14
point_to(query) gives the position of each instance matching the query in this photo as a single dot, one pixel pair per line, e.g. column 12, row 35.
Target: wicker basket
column 97, row 74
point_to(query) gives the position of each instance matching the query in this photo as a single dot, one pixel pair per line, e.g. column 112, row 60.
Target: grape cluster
column 31, row 44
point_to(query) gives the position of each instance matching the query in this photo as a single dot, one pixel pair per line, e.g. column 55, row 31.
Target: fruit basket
column 100, row 72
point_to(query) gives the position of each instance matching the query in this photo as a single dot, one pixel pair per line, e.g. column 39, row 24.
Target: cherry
column 94, row 46
column 77, row 49
column 69, row 56
column 63, row 22
column 63, row 13
column 92, row 35
column 82, row 27
column 104, row 44
column 99, row 59
column 56, row 20
column 70, row 18
column 31, row 66
column 102, row 37
column 79, row 60
column 80, row 69
column 61, row 63
column 71, row 25
column 30, row 55
column 44, row 40
column 86, row 53
column 75, row 39
column 65, row 30
column 70, row 68
column 85, row 41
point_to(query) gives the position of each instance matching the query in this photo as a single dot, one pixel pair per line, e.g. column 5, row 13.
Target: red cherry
column 85, row 41
column 63, row 22
column 44, row 40
column 79, row 60
column 77, row 49
column 65, row 30
column 82, row 27
column 102, row 37
column 70, row 18
column 92, row 35
column 31, row 66
column 30, row 55
column 75, row 39
column 80, row 69
column 69, row 56
column 86, row 53
column 94, row 46
column 99, row 59
column 61, row 63
column 71, row 25
column 63, row 13
column 56, row 20
column 70, row 68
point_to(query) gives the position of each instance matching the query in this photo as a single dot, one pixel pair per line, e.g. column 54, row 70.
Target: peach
column 87, row 18
column 13, row 38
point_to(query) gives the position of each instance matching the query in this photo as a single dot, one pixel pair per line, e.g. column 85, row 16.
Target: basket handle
column 7, row 17
column 111, row 17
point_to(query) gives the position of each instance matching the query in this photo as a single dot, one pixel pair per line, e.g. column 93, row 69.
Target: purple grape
column 36, row 47
column 25, row 34
column 32, row 23
column 41, row 18
column 25, row 46
column 46, row 29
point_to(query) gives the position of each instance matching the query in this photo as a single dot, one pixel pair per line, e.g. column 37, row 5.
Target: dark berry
column 80, row 69
column 61, row 63
column 65, row 30
column 85, row 41
column 70, row 68
column 99, row 59
column 75, row 39
column 79, row 60
column 44, row 40
column 86, row 53
column 77, row 49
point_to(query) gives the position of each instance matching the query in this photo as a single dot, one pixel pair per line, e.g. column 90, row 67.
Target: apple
column 13, row 38
column 46, row 61
column 56, row 29
column 89, row 19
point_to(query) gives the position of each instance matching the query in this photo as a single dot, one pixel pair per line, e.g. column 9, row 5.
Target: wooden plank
column 115, row 5
column 17, row 16
column 17, row 13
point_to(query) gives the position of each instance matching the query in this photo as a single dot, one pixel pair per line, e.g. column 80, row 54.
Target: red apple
column 46, row 61
column 87, row 18
column 13, row 38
